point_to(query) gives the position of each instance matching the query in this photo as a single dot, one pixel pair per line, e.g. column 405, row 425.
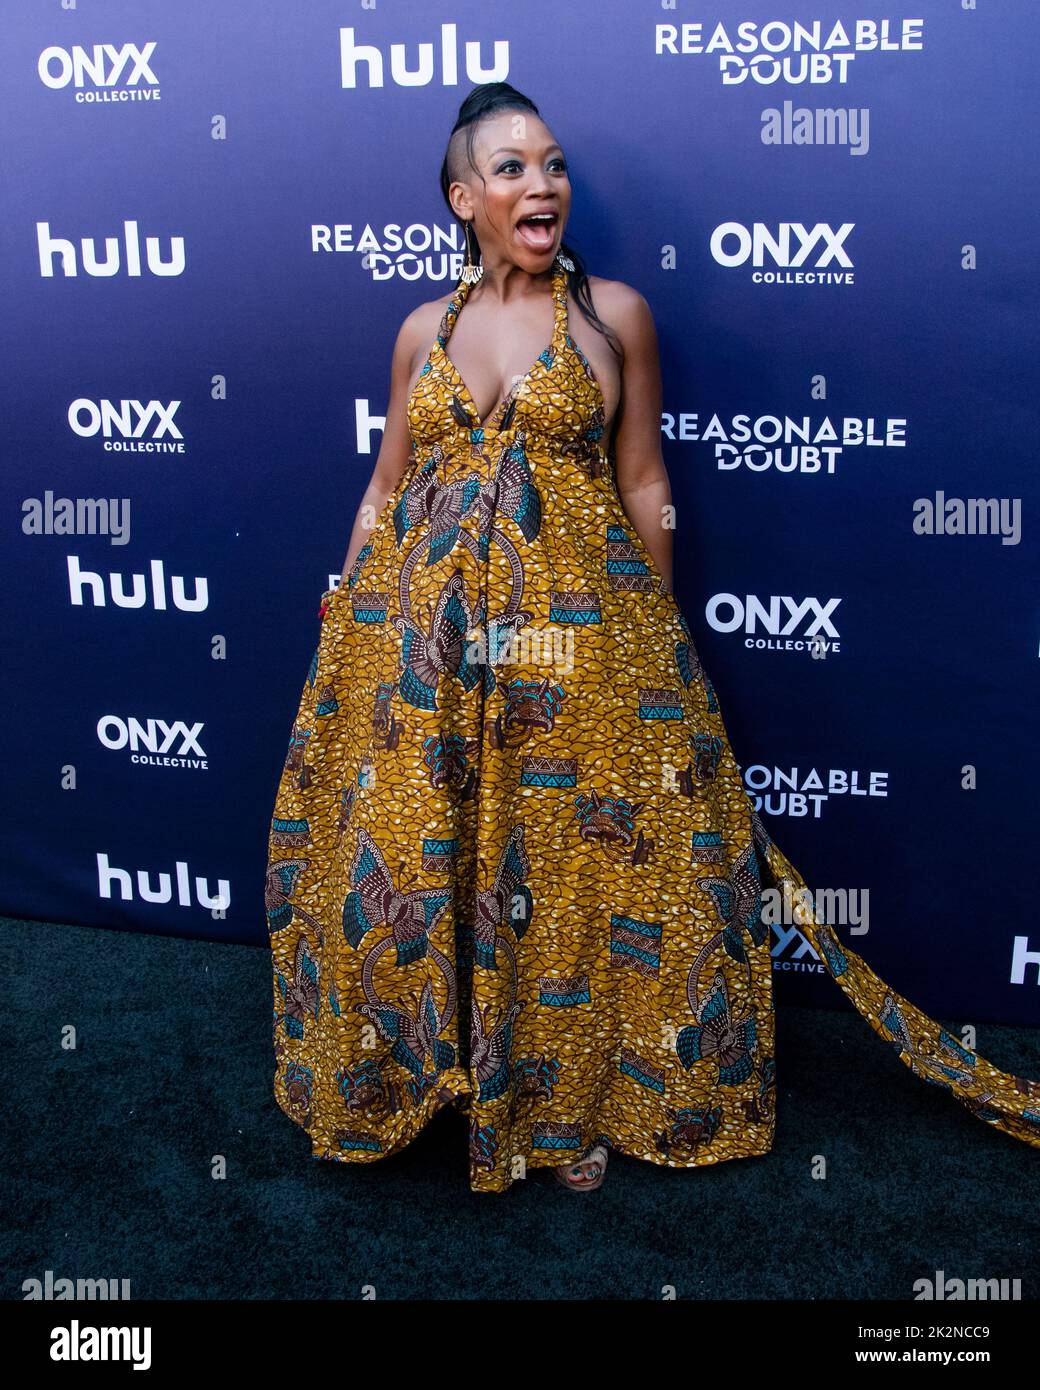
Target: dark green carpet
column 109, row 1153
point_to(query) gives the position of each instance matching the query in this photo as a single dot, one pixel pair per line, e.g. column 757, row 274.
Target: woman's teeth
column 537, row 231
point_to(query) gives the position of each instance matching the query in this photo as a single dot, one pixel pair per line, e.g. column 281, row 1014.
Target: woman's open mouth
column 537, row 230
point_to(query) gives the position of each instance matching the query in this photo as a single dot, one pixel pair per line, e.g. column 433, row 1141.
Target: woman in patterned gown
column 512, row 863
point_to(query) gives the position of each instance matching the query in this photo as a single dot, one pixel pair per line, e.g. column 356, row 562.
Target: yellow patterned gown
column 512, row 864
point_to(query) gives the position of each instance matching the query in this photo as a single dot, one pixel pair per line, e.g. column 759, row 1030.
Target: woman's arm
column 642, row 480
column 396, row 447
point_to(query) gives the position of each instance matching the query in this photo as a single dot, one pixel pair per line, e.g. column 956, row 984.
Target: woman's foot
column 586, row 1173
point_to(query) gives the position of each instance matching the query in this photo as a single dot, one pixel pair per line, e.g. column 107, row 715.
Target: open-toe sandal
column 596, row 1154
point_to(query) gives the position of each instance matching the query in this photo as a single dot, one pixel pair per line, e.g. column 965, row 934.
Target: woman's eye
column 510, row 165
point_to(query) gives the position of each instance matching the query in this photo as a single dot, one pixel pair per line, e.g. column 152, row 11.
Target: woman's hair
column 489, row 99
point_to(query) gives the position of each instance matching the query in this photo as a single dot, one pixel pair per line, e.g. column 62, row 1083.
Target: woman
column 513, row 866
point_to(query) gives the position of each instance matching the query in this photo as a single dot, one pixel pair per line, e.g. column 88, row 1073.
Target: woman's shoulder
column 624, row 310
column 617, row 298
column 421, row 324
column 428, row 312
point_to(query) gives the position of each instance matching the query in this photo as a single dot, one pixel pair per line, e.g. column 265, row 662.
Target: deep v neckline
column 559, row 296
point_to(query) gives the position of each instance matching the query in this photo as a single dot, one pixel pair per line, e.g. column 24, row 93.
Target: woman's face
column 525, row 174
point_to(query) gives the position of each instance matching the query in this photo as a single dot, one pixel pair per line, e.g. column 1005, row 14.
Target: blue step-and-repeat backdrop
column 216, row 218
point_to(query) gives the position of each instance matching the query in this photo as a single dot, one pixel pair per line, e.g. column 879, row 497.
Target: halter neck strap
column 559, row 293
